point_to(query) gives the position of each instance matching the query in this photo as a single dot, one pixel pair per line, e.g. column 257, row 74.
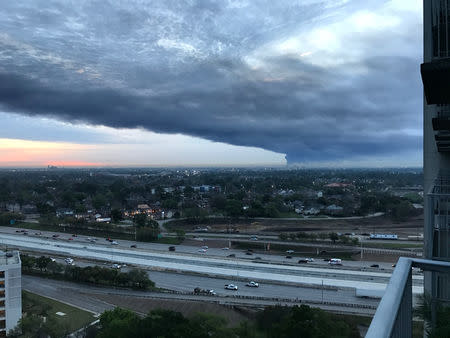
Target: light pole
column 322, row 291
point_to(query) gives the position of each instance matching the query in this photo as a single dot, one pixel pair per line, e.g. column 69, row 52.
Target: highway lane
column 85, row 296
column 208, row 266
column 187, row 283
column 193, row 249
column 171, row 257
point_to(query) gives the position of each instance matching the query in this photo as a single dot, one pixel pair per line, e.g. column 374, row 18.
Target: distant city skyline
column 236, row 83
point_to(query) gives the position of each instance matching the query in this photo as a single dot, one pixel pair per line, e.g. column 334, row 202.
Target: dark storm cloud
column 183, row 71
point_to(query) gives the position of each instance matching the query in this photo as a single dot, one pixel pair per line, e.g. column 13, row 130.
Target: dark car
column 249, row 253
column 133, row 246
column 171, row 248
column 303, row 261
column 288, row 257
column 232, row 255
column 374, row 266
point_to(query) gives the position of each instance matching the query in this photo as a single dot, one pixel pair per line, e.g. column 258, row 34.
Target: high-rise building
column 394, row 315
column 10, row 291
column 436, row 148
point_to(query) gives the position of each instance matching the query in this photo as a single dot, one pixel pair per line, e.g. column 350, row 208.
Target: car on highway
column 205, row 247
column 202, row 250
column 200, row 291
column 252, row 284
column 310, row 259
column 290, row 251
column 114, row 243
column 171, row 248
column 116, row 266
column 231, row 255
column 231, row 287
column 52, row 259
column 288, row 257
column 133, row 246
column 226, row 248
column 249, row 253
column 374, row 266
column 55, row 236
column 69, row 260
column 335, row 261
column 70, row 239
column 302, row 260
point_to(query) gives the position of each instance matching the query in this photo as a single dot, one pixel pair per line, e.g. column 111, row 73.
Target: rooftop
column 9, row 257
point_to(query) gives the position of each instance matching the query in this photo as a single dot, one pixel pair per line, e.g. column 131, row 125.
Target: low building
column 10, row 291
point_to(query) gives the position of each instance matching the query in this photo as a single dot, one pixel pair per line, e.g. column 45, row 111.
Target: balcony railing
column 394, row 315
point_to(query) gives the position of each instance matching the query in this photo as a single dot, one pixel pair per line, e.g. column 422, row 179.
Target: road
column 192, row 249
column 211, row 266
column 87, row 297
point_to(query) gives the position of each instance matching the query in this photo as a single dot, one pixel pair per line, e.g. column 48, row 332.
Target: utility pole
column 322, row 291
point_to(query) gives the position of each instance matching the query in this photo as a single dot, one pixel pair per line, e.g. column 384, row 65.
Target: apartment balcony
column 438, row 215
column 435, row 77
column 394, row 315
column 441, row 123
column 443, row 142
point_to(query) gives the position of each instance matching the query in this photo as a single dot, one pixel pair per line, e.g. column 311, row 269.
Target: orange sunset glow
column 15, row 152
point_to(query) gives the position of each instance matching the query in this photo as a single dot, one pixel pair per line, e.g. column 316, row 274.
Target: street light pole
column 322, row 291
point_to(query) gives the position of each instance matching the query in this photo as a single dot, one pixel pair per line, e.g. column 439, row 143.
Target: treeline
column 44, row 266
column 10, row 218
column 304, row 236
column 280, row 322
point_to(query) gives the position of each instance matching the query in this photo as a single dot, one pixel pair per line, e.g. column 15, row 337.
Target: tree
column 42, row 262
column 116, row 215
column 180, row 234
column 140, row 220
column 333, row 236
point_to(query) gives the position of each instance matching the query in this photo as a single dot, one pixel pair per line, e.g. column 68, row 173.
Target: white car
column 116, row 266
column 52, row 259
column 231, row 287
column 202, row 250
column 69, row 260
column 290, row 251
column 205, row 247
column 226, row 248
column 310, row 259
column 114, row 243
column 252, row 284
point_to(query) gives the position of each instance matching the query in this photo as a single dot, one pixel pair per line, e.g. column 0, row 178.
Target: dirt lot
column 412, row 226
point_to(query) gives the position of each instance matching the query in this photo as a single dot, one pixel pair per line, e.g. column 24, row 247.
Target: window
column 440, row 28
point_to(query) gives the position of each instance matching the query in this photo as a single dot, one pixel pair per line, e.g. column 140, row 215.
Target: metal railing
column 393, row 318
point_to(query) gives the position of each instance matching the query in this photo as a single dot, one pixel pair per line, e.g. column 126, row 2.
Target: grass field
column 39, row 307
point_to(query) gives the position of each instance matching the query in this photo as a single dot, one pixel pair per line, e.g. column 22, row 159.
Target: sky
column 211, row 83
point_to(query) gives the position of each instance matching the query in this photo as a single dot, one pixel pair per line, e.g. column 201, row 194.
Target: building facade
column 436, row 148
column 10, row 291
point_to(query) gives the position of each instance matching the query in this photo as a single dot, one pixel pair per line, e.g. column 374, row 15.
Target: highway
column 91, row 298
column 221, row 267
